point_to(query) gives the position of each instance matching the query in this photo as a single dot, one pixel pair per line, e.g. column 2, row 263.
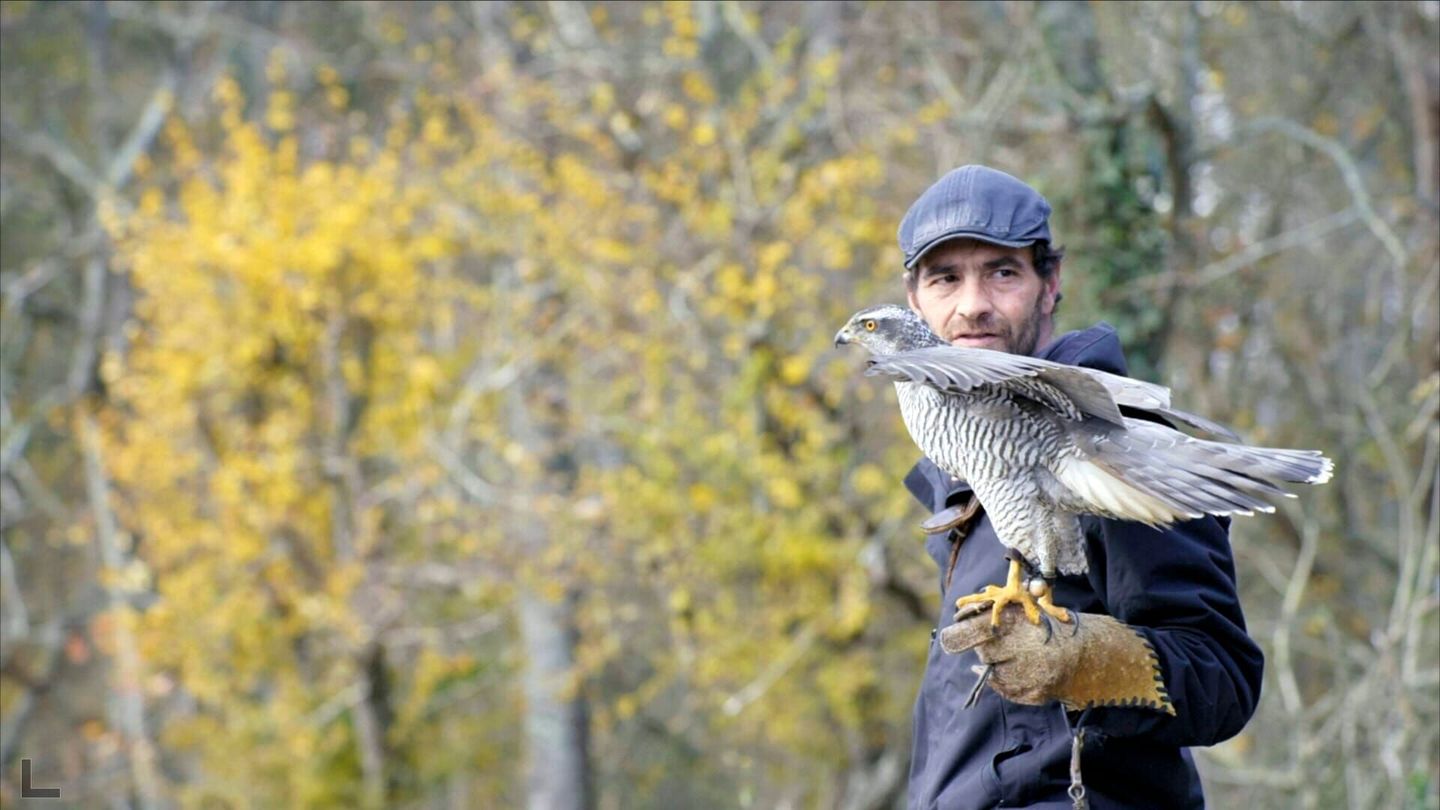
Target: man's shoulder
column 1097, row 347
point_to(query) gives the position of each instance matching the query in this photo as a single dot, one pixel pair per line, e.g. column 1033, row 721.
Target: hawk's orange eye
column 869, row 326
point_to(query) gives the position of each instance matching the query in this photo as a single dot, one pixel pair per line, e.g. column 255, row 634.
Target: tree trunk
column 372, row 720
column 556, row 717
column 556, row 722
column 127, row 701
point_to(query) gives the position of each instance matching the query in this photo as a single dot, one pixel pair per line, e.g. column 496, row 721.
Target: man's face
column 985, row 296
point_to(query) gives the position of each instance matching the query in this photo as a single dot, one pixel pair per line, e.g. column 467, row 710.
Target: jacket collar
column 1097, row 347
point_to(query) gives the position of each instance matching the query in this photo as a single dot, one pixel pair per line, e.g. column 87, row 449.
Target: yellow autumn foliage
column 311, row 325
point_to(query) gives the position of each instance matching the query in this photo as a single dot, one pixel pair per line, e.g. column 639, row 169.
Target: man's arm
column 1177, row 588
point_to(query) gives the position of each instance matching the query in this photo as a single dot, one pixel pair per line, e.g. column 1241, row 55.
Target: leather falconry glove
column 1096, row 661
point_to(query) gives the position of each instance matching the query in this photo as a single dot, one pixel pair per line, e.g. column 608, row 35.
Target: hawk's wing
column 956, row 369
column 1093, row 392
column 1145, row 396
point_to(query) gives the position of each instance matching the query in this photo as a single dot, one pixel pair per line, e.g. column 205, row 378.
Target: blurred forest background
column 432, row 404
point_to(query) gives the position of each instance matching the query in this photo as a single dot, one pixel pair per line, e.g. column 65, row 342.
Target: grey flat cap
column 977, row 202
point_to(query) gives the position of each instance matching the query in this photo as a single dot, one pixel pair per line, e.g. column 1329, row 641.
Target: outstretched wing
column 1157, row 475
column 1069, row 390
column 957, row 369
column 1144, row 396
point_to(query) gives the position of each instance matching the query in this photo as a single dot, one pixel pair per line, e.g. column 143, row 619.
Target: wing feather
column 1147, row 396
column 956, row 369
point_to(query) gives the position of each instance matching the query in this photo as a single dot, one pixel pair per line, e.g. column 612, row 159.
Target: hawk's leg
column 1040, row 589
column 1044, row 599
column 1033, row 597
column 1012, row 592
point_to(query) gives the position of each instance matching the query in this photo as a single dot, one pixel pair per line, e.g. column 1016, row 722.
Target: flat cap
column 976, row 202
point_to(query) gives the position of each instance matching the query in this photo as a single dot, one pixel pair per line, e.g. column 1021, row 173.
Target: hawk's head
column 887, row 329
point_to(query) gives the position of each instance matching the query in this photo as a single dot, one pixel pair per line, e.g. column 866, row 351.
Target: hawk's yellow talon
column 1015, row 592
column 1049, row 608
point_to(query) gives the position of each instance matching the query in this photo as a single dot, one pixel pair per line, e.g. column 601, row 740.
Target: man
column 980, row 268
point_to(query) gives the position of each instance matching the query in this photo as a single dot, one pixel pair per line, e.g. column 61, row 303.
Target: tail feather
column 1182, row 477
column 1213, row 493
column 1191, row 491
column 1266, row 463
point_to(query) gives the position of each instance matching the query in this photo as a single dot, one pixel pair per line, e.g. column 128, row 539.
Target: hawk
column 1042, row 443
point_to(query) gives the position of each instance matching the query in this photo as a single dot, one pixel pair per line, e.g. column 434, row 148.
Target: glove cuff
column 1117, row 667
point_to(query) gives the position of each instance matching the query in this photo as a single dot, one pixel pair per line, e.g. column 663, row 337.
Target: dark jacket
column 1177, row 586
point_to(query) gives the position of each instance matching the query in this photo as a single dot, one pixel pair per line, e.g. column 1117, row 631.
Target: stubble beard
column 1027, row 340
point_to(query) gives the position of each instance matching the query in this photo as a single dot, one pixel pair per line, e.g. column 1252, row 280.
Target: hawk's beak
column 843, row 336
